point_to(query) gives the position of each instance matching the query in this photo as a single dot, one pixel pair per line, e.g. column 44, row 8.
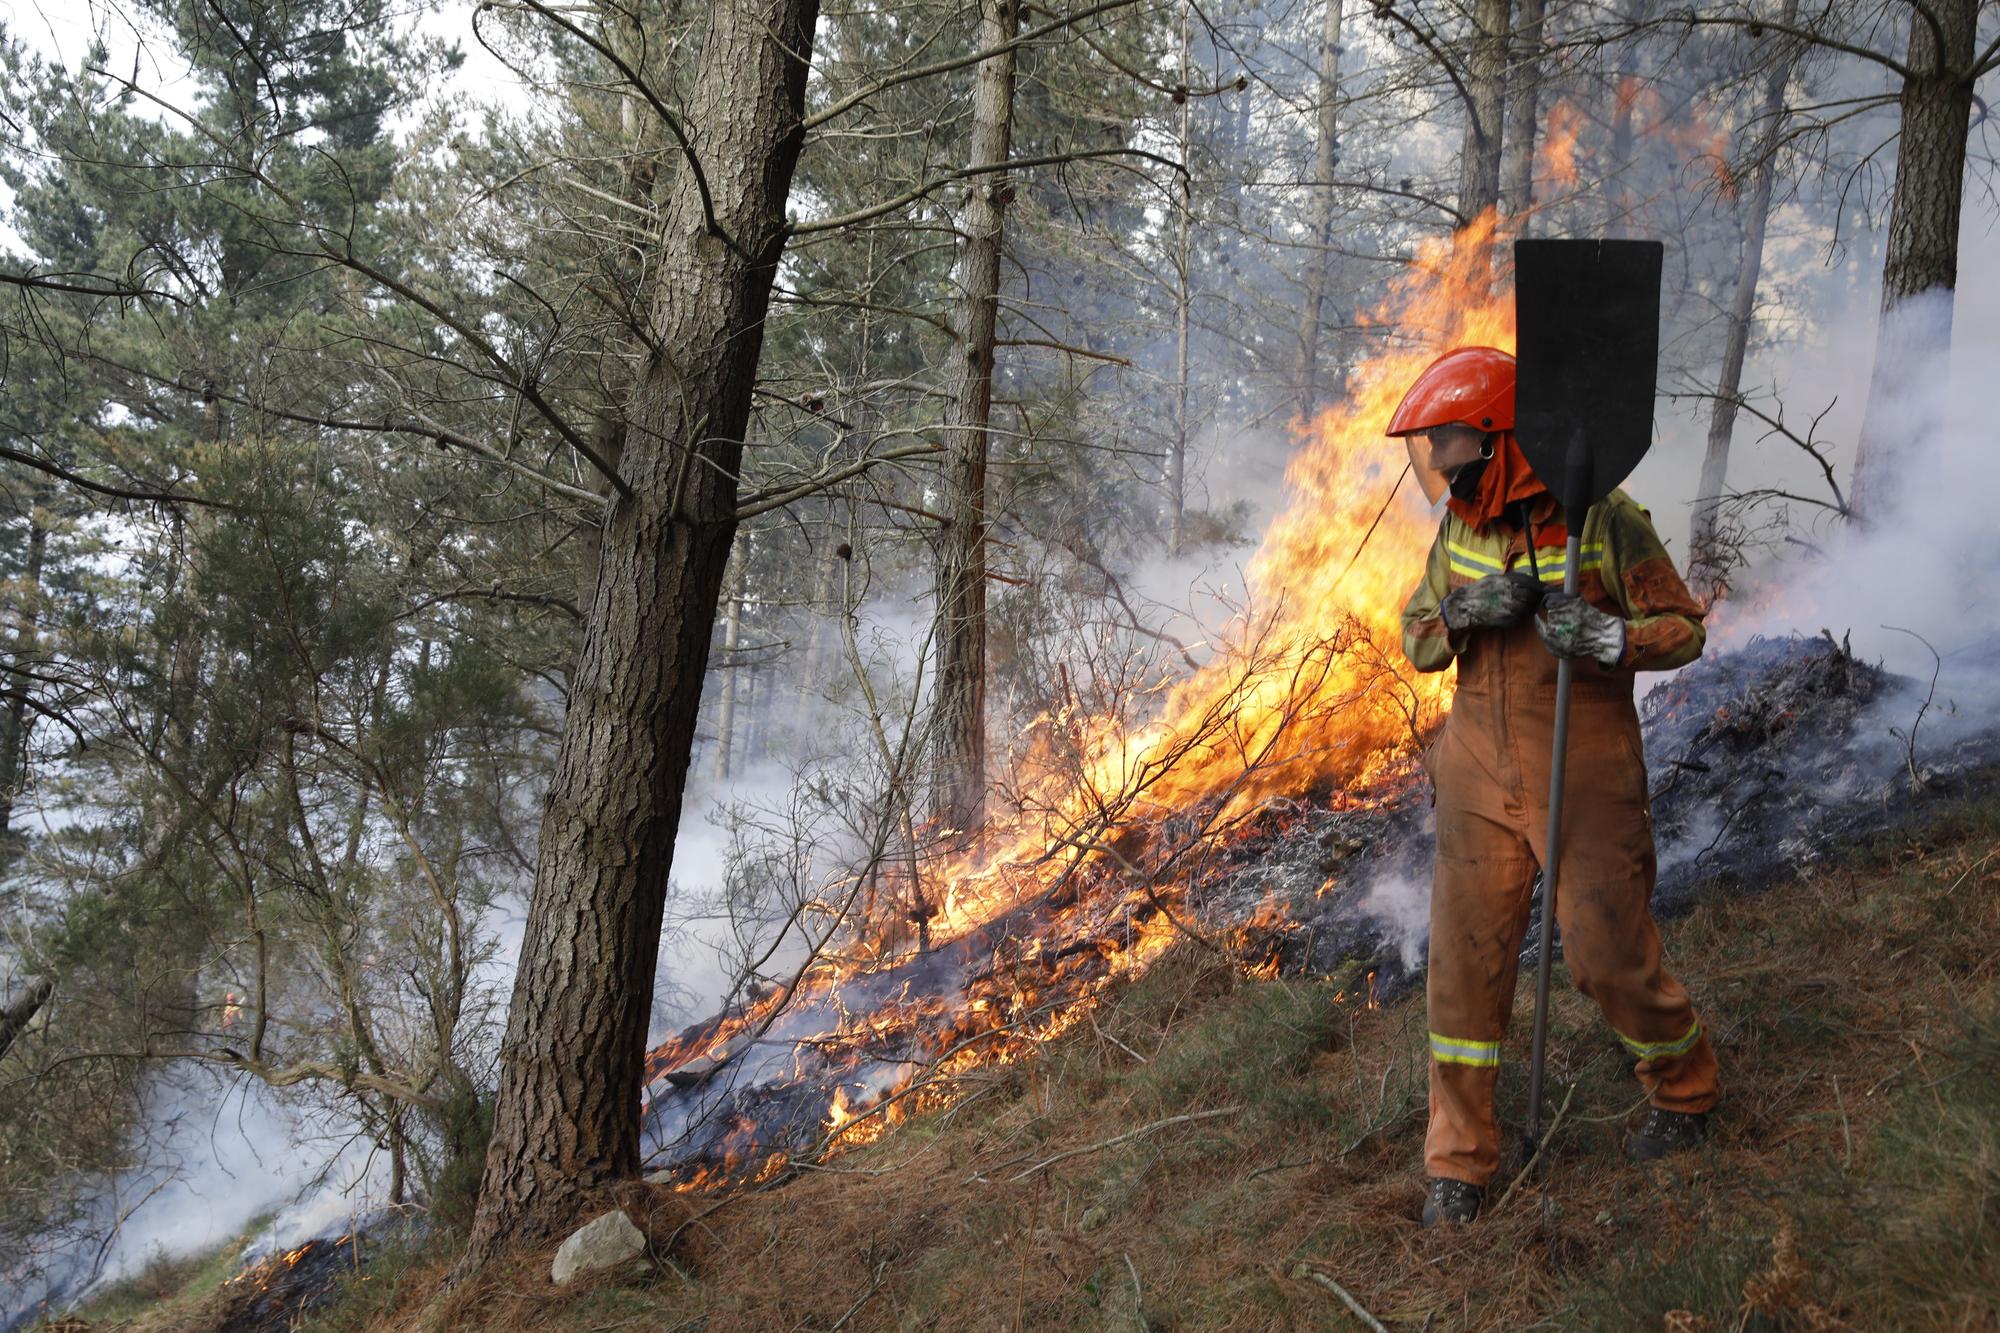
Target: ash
column 1760, row 759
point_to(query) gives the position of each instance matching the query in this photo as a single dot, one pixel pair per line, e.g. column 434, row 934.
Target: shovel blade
column 1588, row 321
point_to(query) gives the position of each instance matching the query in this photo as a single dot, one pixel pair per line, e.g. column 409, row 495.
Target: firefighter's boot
column 1448, row 1200
column 1665, row 1133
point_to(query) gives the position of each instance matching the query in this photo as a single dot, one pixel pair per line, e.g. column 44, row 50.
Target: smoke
column 1401, row 908
column 790, row 820
column 1920, row 570
column 215, row 1156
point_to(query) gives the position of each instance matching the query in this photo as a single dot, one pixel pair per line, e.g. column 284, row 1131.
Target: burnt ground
column 1212, row 1149
column 1287, row 1110
column 1761, row 759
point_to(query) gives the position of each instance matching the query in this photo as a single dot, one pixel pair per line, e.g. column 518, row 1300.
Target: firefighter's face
column 1452, row 447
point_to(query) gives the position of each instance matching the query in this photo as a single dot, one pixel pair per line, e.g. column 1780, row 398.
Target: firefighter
column 1491, row 601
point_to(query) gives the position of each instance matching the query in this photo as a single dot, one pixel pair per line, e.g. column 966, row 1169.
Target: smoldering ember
column 1123, row 664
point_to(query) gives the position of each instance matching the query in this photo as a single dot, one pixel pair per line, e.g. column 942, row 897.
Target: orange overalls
column 1490, row 765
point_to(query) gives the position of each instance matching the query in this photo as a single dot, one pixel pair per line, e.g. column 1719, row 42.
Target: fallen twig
column 1126, row 1137
column 1910, row 748
column 1091, row 1014
column 1540, row 1148
column 1359, row 1310
column 1846, row 1134
column 1138, row 1295
column 873, row 1287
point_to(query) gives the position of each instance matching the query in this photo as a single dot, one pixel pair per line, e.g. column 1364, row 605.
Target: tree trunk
column 14, row 726
column 566, row 1119
column 608, row 437
column 1486, row 86
column 1708, row 566
column 1319, row 259
column 1619, row 203
column 1904, row 395
column 725, row 707
column 1177, row 448
column 1524, row 90
column 20, row 1010
column 960, row 702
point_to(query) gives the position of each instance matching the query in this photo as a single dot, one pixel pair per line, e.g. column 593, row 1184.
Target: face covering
column 1465, row 481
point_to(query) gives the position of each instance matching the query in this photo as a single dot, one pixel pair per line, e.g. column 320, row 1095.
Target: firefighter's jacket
column 1491, row 768
column 1626, row 571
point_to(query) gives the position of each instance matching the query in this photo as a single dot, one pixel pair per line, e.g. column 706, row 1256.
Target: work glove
column 1572, row 627
column 1495, row 602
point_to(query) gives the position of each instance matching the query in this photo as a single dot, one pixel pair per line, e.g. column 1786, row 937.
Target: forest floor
column 1219, row 1152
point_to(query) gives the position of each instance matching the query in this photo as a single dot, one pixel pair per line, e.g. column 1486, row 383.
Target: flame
column 1565, row 124
column 1310, row 694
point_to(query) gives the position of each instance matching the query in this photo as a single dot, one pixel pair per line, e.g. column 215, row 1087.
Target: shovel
column 1588, row 319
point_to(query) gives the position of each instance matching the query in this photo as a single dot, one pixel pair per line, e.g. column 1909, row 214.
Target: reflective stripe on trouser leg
column 1610, row 942
column 1457, row 1051
column 1650, row 1050
column 1479, row 914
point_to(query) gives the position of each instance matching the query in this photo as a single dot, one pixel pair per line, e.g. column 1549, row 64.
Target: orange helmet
column 1467, row 386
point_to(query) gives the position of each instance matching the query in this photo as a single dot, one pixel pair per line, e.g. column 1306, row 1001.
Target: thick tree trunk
column 1524, row 90
column 1913, row 343
column 1709, row 566
column 1319, row 259
column 1486, row 83
column 566, row 1120
column 959, row 710
column 608, row 436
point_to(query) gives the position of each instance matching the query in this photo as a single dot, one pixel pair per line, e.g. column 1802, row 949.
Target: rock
column 609, row 1241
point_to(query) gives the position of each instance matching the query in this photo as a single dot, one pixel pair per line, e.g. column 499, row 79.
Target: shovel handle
column 1552, row 850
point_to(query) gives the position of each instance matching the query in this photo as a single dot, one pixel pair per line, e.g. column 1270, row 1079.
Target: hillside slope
column 1218, row 1152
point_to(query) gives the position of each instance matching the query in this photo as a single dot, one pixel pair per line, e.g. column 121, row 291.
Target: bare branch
column 760, row 502
column 855, row 99
column 53, row 283
column 933, row 186
column 56, row 470
column 1693, row 20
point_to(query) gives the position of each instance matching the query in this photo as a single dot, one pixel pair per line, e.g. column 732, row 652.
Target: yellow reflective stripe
column 1457, row 1051
column 1486, row 563
column 1552, row 570
column 1465, row 560
column 1663, row 1050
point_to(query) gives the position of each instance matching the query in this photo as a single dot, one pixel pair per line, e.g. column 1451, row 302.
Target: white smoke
column 1921, row 572
column 1401, row 909
column 215, row 1154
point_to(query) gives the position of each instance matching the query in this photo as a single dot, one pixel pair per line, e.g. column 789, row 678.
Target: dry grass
column 1851, row 1183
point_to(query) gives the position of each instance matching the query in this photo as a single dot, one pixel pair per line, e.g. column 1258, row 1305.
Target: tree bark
column 1177, row 448
column 566, row 1118
column 1618, row 199
column 1524, row 90
column 959, row 709
column 1486, row 86
column 20, row 1011
column 14, row 727
column 1319, row 259
column 725, row 709
column 1921, row 253
column 1708, row 567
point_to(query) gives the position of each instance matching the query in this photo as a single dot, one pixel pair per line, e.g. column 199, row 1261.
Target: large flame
column 1313, row 687
column 1311, row 694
